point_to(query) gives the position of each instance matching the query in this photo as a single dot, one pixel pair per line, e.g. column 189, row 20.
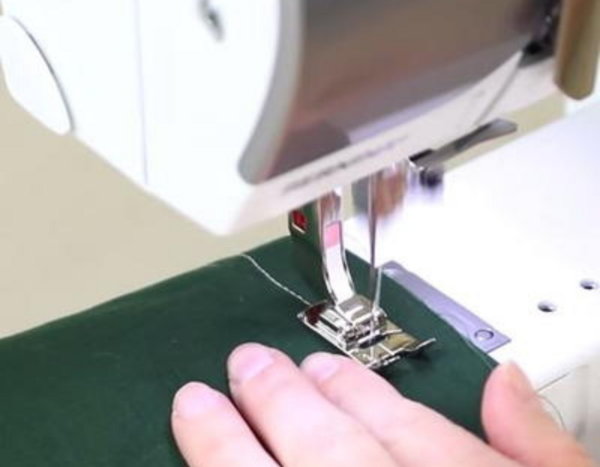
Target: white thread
column 274, row 281
column 296, row 295
column 558, row 414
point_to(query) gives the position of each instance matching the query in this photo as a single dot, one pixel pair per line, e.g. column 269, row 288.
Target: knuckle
column 336, row 385
column 222, row 451
column 222, row 440
column 332, row 446
column 273, row 384
column 409, row 415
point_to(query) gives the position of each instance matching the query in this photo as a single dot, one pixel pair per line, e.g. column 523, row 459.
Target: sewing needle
column 374, row 272
column 373, row 215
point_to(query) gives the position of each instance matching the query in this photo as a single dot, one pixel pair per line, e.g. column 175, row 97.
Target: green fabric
column 95, row 389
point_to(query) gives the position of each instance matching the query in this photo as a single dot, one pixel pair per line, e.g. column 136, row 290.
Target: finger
column 210, row 432
column 518, row 426
column 296, row 422
column 415, row 435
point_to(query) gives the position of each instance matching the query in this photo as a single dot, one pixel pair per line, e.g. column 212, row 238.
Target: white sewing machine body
column 515, row 241
column 189, row 115
column 197, row 103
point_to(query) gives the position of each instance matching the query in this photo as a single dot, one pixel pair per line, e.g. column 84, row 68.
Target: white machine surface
column 514, row 230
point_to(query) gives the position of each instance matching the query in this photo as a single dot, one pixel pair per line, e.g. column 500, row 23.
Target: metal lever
column 354, row 324
column 578, row 47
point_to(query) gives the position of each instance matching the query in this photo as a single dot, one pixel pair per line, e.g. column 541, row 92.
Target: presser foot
column 362, row 332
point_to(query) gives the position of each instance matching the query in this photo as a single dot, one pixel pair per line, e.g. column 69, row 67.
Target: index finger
column 210, row 432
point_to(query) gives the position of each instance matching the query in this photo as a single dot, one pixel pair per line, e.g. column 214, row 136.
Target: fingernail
column 193, row 400
column 519, row 383
column 248, row 361
column 321, row 366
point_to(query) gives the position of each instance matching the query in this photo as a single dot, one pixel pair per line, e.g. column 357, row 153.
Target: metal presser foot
column 355, row 324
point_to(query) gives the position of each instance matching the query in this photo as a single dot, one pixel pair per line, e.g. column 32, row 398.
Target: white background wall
column 74, row 233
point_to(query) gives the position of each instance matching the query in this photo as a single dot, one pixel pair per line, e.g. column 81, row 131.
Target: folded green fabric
column 95, row 389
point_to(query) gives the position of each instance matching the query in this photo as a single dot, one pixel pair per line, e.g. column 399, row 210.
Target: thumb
column 518, row 426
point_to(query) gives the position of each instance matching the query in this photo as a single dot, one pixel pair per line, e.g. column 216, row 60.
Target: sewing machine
column 233, row 112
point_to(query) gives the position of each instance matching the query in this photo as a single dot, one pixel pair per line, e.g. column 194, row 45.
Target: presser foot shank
column 352, row 322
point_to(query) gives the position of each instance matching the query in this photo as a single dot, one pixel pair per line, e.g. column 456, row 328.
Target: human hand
column 332, row 412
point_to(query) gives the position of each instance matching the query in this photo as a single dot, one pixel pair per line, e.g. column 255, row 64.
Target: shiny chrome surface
column 362, row 63
column 355, row 324
column 375, row 349
column 317, row 230
column 481, row 334
column 386, row 192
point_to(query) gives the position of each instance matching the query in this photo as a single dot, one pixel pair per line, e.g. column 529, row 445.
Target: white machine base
column 518, row 232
